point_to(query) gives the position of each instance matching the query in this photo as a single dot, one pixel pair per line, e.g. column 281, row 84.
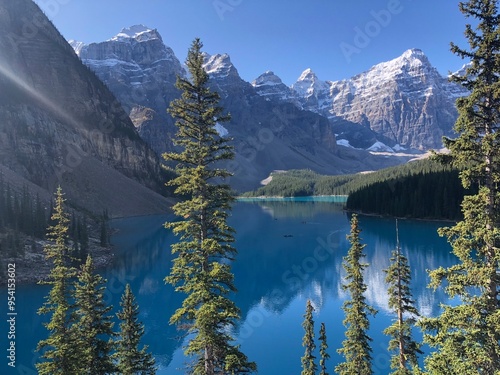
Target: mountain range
column 404, row 101
column 331, row 127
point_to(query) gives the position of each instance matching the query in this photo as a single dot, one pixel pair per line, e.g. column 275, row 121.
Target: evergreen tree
column 202, row 268
column 40, row 219
column 9, row 210
column 467, row 336
column 324, row 356
column 401, row 302
column 3, row 206
column 129, row 359
column 82, row 240
column 59, row 351
column 94, row 326
column 356, row 347
column 83, row 235
column 308, row 360
column 104, row 236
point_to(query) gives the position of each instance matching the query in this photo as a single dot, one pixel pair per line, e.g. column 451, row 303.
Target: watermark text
column 11, row 314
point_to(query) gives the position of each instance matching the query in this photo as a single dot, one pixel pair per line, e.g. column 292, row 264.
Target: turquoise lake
column 288, row 252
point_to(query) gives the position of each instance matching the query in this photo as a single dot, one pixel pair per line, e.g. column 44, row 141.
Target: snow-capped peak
column 138, row 32
column 413, row 53
column 308, row 75
column 76, row 45
column 413, row 58
column 462, row 71
column 267, row 79
column 308, row 84
column 412, row 63
column 219, row 65
column 270, row 86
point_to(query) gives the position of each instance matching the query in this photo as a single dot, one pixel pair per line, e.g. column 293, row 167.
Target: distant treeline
column 419, row 189
column 303, row 183
column 23, row 215
column 424, row 194
column 20, row 214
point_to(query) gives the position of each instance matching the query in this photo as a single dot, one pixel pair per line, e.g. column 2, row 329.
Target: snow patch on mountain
column 76, row 45
column 111, row 63
column 267, row 79
column 219, row 66
column 309, row 84
column 376, row 147
column 380, row 147
column 270, row 86
column 138, row 32
column 344, row 142
column 221, row 130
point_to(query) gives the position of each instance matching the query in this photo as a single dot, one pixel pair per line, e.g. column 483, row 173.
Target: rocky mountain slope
column 62, row 126
column 404, row 101
column 141, row 71
column 268, row 134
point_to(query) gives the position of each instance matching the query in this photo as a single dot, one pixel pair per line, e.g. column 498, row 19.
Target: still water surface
column 288, row 252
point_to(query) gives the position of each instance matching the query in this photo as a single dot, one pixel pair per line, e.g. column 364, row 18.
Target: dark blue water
column 288, row 252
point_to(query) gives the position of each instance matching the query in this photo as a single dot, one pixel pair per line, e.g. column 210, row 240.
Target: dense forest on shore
column 25, row 216
column 419, row 189
column 303, row 183
column 424, row 194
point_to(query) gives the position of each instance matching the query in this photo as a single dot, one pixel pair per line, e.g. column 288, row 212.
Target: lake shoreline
column 399, row 217
column 306, row 198
column 343, row 199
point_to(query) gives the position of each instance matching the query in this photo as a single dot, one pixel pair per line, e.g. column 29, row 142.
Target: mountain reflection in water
column 288, row 252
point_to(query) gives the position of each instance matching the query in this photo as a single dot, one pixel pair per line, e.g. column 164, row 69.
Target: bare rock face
column 405, row 100
column 62, row 126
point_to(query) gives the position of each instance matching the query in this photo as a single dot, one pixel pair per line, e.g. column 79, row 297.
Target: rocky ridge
column 404, row 101
column 141, row 71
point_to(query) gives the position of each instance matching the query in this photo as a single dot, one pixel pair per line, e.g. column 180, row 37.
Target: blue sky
column 337, row 39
